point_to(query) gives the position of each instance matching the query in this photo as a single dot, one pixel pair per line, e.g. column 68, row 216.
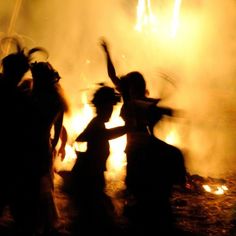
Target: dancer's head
column 133, row 86
column 44, row 74
column 104, row 100
column 14, row 66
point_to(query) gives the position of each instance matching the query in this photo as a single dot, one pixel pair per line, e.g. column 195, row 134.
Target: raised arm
column 110, row 67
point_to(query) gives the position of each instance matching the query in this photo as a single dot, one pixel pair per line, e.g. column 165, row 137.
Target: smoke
column 193, row 72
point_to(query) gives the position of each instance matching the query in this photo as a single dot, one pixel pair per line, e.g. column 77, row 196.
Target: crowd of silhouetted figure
column 32, row 115
column 29, row 111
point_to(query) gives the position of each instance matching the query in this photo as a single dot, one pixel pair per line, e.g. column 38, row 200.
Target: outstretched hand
column 104, row 45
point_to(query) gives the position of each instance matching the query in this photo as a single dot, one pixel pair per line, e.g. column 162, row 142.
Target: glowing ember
column 207, row 188
column 218, row 190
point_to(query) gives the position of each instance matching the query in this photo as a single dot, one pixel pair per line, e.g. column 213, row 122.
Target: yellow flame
column 69, row 160
column 145, row 17
column 74, row 126
column 117, row 159
column 166, row 25
column 70, row 155
column 80, row 119
column 175, row 20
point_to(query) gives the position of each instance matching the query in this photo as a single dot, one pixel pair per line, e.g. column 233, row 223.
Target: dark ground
column 197, row 213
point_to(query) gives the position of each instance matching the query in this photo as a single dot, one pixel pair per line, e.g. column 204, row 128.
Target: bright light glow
column 224, row 187
column 69, row 160
column 117, row 159
column 175, row 21
column 217, row 190
column 70, row 155
column 75, row 125
column 147, row 21
column 145, row 17
column 12, row 24
column 171, row 138
column 207, row 188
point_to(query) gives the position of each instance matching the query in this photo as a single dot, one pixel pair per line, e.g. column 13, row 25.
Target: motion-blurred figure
column 47, row 112
column 88, row 173
column 14, row 103
column 153, row 166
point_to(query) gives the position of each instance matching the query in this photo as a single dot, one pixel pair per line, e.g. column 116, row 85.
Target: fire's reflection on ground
column 197, row 211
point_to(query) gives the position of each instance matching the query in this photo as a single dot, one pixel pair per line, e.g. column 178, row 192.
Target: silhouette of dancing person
column 47, row 112
column 153, row 166
column 88, row 172
column 139, row 112
column 13, row 107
